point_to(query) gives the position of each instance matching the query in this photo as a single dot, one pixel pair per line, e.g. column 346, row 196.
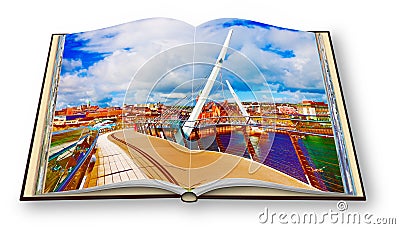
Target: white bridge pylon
column 190, row 123
column 239, row 103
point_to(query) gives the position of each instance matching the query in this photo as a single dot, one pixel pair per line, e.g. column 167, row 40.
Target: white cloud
column 71, row 64
column 157, row 33
column 155, row 48
column 128, row 47
column 304, row 69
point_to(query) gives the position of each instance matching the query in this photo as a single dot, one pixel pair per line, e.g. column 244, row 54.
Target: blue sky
column 156, row 60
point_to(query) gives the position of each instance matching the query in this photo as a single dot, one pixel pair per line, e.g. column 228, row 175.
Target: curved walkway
column 112, row 165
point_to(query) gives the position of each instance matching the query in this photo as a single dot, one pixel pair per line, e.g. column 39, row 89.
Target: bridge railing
column 266, row 123
column 299, row 118
column 64, row 183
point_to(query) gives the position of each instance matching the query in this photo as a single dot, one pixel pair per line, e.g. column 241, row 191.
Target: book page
column 277, row 116
column 90, row 144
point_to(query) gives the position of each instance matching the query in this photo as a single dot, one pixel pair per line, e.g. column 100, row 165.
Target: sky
column 166, row 60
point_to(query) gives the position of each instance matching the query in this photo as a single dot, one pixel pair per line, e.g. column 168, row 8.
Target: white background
column 365, row 39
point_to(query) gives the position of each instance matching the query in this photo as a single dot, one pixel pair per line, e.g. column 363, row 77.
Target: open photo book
column 158, row 108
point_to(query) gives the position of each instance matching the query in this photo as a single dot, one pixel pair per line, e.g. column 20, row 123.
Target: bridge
column 197, row 133
column 210, row 134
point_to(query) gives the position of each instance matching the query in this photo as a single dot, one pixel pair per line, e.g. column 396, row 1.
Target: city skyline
column 155, row 103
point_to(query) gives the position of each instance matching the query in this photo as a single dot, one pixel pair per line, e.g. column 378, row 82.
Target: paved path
column 112, row 165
